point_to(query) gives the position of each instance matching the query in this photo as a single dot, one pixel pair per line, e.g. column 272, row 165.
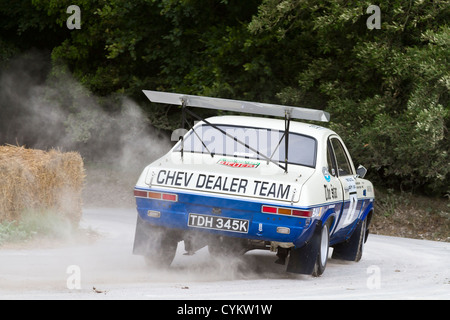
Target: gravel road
column 391, row 268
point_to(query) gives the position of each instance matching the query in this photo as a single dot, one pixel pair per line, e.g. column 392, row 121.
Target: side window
column 343, row 164
column 330, row 160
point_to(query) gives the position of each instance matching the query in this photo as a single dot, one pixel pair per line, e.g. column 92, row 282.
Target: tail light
column 156, row 195
column 302, row 213
column 170, row 197
column 140, row 193
column 287, row 211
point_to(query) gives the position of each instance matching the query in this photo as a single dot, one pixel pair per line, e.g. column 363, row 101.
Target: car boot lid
column 228, row 176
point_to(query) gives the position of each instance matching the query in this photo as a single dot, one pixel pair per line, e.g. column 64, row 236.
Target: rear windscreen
column 268, row 142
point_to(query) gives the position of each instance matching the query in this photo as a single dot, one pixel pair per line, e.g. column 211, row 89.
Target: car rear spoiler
column 237, row 106
column 287, row 112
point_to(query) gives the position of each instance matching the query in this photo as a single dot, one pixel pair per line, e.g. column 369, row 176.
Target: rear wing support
column 287, row 122
column 287, row 112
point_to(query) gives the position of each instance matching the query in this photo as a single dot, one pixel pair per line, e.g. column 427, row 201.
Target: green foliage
column 10, row 231
column 387, row 89
column 36, row 224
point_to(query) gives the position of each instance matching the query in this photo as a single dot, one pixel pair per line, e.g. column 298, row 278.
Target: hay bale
column 37, row 180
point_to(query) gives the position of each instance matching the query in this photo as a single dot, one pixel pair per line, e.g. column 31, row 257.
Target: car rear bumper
column 217, row 215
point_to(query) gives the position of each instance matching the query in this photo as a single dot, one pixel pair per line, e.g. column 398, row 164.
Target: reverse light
column 283, row 230
column 153, row 214
column 156, row 195
column 287, row 211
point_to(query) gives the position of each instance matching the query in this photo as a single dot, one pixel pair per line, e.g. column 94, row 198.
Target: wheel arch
column 368, row 219
column 329, row 218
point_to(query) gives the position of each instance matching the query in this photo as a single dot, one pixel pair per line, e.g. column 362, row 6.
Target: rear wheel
column 352, row 249
column 311, row 258
column 162, row 256
column 322, row 257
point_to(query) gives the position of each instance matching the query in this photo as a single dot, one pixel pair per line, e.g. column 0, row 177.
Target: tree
column 387, row 89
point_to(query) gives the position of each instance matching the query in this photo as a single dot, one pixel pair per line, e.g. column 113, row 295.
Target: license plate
column 218, row 223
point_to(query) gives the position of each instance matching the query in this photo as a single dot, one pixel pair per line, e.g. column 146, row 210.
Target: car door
column 345, row 174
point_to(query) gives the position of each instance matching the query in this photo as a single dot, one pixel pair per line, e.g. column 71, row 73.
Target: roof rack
column 237, row 106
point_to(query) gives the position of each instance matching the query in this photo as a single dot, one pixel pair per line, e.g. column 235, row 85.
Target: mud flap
column 142, row 237
column 149, row 238
column 302, row 260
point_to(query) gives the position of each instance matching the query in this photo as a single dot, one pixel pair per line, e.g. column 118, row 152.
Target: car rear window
column 269, row 142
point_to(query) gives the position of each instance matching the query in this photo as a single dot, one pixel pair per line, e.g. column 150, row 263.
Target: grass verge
column 407, row 215
column 47, row 226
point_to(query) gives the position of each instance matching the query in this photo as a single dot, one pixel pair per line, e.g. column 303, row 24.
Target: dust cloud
column 43, row 106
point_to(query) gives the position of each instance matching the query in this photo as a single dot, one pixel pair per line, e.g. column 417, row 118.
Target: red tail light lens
column 302, row 213
column 140, row 193
column 268, row 209
column 169, row 197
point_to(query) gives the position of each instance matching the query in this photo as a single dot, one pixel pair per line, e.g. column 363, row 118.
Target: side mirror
column 361, row 171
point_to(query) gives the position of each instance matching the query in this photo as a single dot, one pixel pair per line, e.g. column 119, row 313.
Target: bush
column 37, row 224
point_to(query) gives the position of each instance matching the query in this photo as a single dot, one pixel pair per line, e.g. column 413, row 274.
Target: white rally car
column 237, row 183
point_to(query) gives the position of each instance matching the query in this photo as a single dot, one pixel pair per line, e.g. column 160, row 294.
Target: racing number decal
column 351, row 208
column 353, row 197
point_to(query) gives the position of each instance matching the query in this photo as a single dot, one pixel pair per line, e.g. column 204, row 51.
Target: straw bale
column 36, row 180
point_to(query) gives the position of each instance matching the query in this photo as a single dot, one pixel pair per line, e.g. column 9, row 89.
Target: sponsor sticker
column 326, row 174
column 224, row 183
column 238, row 163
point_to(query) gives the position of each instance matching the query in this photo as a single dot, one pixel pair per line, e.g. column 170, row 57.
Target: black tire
column 322, row 256
column 352, row 249
column 162, row 257
column 311, row 259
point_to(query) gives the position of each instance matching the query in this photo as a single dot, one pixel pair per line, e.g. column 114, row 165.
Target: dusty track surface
column 391, row 268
